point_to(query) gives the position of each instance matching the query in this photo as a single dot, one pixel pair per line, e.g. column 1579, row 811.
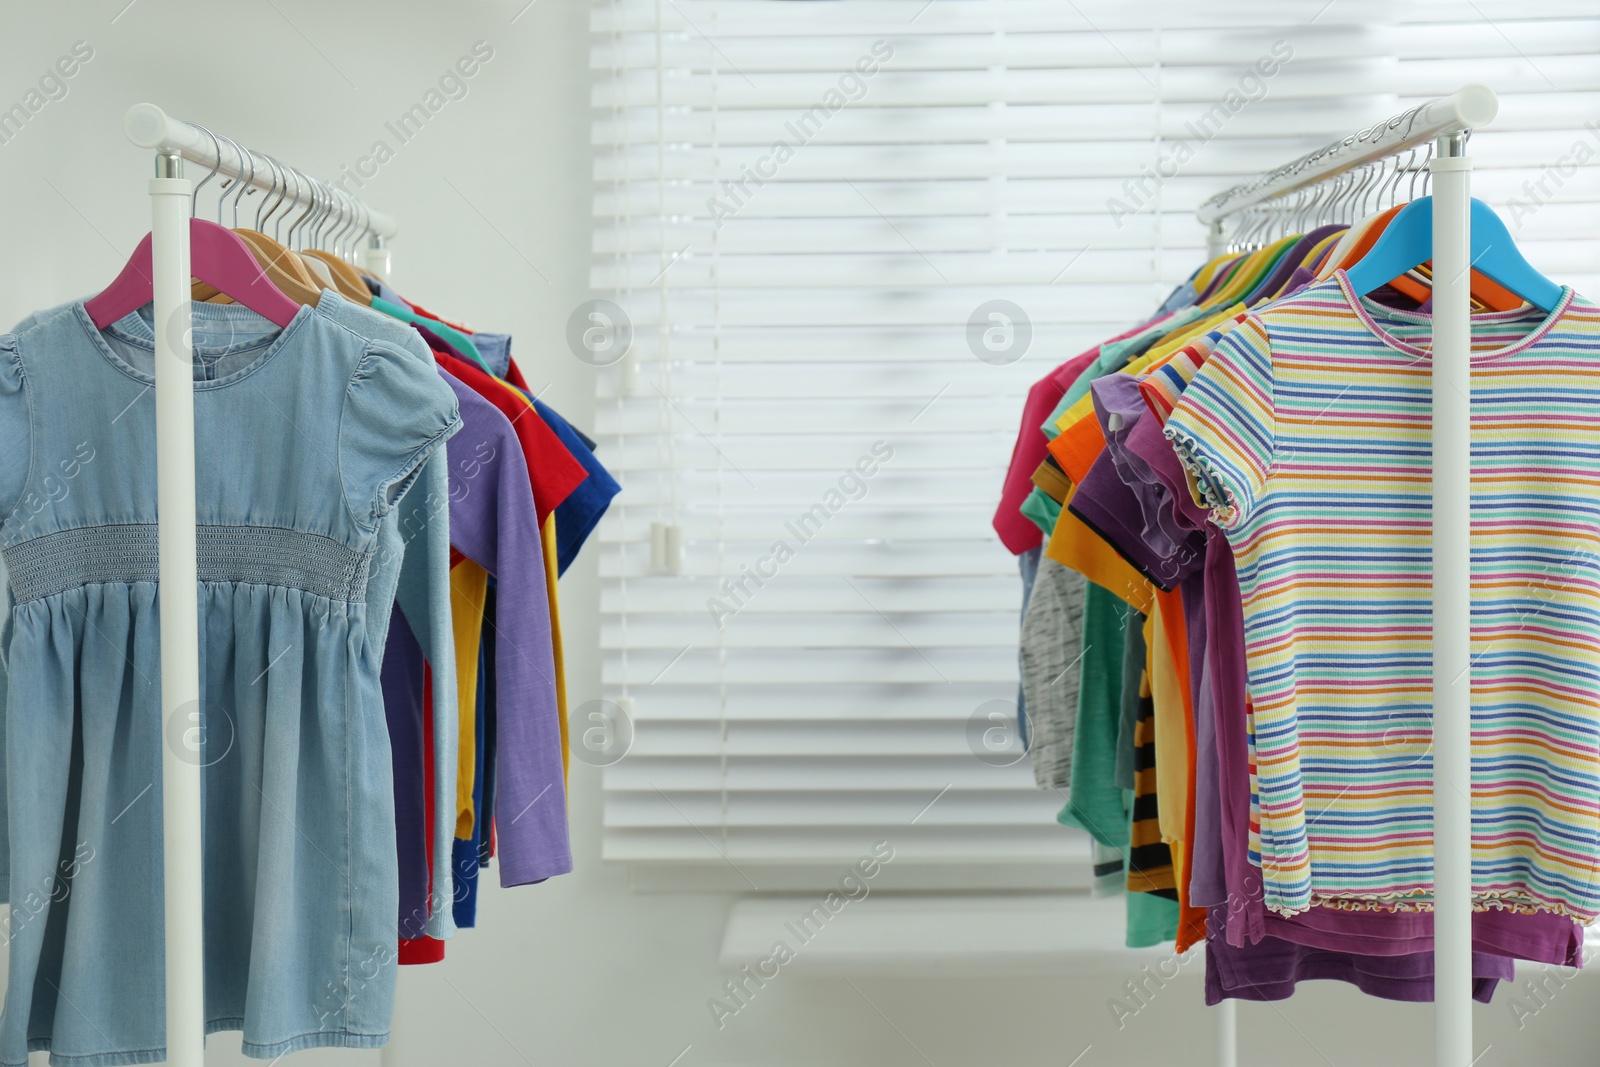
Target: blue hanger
column 1407, row 242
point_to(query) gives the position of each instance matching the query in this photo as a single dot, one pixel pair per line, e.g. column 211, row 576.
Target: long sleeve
column 423, row 595
column 494, row 522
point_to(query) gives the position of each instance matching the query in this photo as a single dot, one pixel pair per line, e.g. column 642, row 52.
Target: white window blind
column 798, row 208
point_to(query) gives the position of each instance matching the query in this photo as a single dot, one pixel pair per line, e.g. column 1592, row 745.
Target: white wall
column 493, row 199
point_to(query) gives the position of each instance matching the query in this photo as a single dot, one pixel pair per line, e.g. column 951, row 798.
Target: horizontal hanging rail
column 150, row 127
column 1465, row 109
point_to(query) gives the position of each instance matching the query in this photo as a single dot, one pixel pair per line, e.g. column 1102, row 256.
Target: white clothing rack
column 150, row 127
column 1445, row 121
column 181, row 710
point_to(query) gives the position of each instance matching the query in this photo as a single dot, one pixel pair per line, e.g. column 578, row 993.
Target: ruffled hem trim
column 1213, row 488
column 1421, row 900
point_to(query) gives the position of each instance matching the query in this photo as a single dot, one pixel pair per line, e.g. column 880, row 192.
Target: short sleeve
column 1225, row 427
column 16, row 437
column 397, row 411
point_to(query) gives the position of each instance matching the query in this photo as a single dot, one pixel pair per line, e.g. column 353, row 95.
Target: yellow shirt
column 548, row 537
column 1073, row 544
column 1157, row 355
column 469, row 589
column 1167, row 694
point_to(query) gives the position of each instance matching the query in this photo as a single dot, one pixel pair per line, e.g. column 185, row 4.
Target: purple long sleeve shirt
column 494, row 524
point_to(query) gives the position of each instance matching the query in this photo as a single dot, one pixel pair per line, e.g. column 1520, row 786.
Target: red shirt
column 551, row 468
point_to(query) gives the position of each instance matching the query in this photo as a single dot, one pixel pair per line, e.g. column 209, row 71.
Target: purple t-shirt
column 1269, row 970
column 1165, row 491
column 1109, row 499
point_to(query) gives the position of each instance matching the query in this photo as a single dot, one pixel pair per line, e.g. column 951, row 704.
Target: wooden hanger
column 317, row 269
column 280, row 266
column 278, row 253
column 271, row 258
column 339, row 216
column 347, row 280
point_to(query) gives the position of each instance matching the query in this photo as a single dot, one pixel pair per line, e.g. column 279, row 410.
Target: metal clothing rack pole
column 1446, row 122
column 182, row 718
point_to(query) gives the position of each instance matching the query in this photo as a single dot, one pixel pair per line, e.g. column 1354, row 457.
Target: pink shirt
column 1017, row 532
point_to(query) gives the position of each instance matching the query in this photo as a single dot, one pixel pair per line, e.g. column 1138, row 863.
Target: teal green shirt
column 1095, row 802
column 460, row 341
column 1114, row 355
column 1041, row 510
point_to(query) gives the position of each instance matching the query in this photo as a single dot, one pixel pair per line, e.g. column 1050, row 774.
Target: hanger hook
column 240, row 182
column 1328, row 209
column 272, row 190
column 1330, row 206
column 324, row 213
column 334, row 217
column 310, row 205
column 335, row 220
column 319, row 195
column 1368, row 183
column 216, row 148
column 280, row 189
column 346, row 218
column 1381, row 189
column 306, row 234
column 1347, row 202
column 358, row 224
column 1423, row 172
column 1399, row 172
column 363, row 221
column 288, row 199
column 227, row 183
column 1357, row 178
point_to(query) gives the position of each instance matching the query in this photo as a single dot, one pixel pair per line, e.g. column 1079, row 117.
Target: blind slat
column 789, row 314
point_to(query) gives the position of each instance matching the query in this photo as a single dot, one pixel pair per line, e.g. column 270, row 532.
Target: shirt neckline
column 1368, row 311
column 132, row 329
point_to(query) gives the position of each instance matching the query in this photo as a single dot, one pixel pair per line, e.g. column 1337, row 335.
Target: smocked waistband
column 258, row 555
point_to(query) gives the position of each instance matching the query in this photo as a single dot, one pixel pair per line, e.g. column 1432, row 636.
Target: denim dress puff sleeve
column 417, row 543
column 396, row 412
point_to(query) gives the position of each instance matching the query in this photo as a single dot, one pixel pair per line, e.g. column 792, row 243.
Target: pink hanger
column 218, row 257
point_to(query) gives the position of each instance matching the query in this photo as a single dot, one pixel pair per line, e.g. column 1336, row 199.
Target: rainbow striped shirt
column 1311, row 418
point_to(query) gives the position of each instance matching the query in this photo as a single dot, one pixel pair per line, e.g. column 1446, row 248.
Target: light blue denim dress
column 305, row 438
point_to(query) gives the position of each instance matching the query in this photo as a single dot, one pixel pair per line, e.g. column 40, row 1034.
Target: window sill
column 904, row 875
column 927, row 935
column 939, row 935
